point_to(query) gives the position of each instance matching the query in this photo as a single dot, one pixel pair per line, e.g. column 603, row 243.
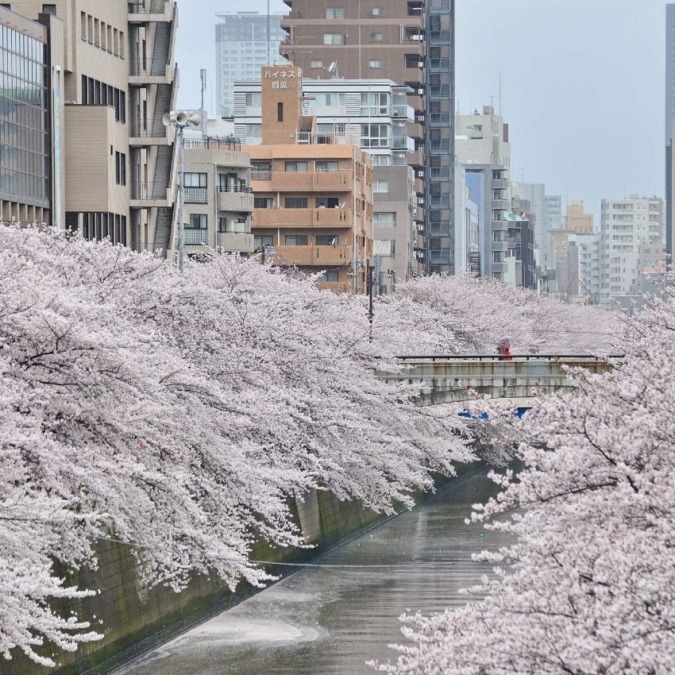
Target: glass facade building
column 24, row 119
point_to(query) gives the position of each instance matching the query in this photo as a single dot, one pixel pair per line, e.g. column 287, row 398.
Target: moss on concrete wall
column 135, row 618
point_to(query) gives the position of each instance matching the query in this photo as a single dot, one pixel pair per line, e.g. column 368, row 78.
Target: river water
column 334, row 618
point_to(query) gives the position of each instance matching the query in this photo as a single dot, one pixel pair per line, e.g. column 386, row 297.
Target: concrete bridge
column 455, row 378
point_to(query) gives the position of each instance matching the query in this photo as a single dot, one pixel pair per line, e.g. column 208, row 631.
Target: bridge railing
column 512, row 357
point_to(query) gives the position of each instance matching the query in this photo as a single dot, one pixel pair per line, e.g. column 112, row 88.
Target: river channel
column 334, row 617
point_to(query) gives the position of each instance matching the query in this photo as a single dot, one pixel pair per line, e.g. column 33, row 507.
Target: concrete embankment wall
column 135, row 618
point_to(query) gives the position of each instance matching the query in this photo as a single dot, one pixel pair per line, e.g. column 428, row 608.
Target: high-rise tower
column 410, row 42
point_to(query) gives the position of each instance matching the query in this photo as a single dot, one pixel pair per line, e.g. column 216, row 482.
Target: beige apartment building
column 217, row 197
column 312, row 194
column 113, row 78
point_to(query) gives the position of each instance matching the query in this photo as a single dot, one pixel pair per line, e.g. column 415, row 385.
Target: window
column 374, row 135
column 120, row 168
column 280, row 112
column 333, row 39
column 295, row 202
column 198, row 221
column 316, row 64
column 253, row 99
column 335, row 13
column 263, row 240
column 194, row 179
column 375, row 104
column 376, row 37
column 381, row 186
column 378, row 11
column 49, row 9
column 254, row 131
column 386, row 219
column 332, row 275
column 296, row 167
column 375, row 64
column 325, row 166
column 328, row 203
column 326, row 239
column 263, row 203
column 222, row 224
column 296, row 240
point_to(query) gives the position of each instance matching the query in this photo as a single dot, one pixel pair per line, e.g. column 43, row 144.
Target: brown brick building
column 312, row 199
column 412, row 43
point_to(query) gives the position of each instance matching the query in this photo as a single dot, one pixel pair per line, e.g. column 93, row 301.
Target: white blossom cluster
column 589, row 587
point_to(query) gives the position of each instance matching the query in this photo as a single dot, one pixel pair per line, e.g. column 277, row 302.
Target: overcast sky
column 582, row 85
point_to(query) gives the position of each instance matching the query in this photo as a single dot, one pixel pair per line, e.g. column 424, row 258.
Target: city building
column 629, row 228
column 27, row 100
column 313, row 201
column 535, row 194
column 410, row 42
column 218, row 199
column 518, row 255
column 576, row 222
column 113, row 159
column 245, row 42
column 372, row 115
column 488, row 186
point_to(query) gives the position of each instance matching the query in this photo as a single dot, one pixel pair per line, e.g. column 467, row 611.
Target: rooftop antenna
column 500, row 93
column 202, row 75
column 268, row 32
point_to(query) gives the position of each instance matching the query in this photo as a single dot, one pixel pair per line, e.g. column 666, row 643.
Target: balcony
column 319, row 256
column 235, row 242
column 302, row 218
column 196, row 237
column 415, row 130
column 416, row 158
column 318, row 181
column 231, row 200
column 195, row 195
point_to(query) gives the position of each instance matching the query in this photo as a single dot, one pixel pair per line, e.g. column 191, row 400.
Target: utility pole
column 369, row 286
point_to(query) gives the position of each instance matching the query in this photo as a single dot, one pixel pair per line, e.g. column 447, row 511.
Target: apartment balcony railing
column 196, row 237
column 235, row 200
column 322, row 181
column 325, row 138
column 195, row 195
column 214, row 143
column 326, row 256
column 303, row 218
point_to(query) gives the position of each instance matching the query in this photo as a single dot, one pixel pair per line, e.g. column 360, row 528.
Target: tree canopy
column 180, row 413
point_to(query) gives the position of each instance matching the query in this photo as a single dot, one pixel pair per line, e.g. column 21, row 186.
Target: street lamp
column 180, row 120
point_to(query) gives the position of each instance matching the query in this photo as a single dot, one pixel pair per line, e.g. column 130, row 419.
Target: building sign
column 280, row 74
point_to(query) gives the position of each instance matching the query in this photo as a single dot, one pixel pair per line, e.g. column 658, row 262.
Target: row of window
column 95, row 92
column 101, row 35
column 120, row 168
column 298, row 240
column 333, row 13
column 30, row 139
column 100, row 225
column 15, row 42
column 299, row 203
column 23, row 184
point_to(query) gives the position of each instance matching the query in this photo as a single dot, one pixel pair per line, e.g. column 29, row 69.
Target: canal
column 334, row 617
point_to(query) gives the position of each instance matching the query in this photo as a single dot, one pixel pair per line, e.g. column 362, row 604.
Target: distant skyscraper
column 242, row 49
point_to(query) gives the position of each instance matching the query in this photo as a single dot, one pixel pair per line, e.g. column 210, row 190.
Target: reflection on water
column 334, row 618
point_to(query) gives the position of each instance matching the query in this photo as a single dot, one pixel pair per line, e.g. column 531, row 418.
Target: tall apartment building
column 372, row 115
column 26, row 187
column 627, row 226
column 670, row 130
column 217, row 197
column 535, row 194
column 482, row 146
column 114, row 72
column 245, row 42
column 313, row 199
column 410, row 42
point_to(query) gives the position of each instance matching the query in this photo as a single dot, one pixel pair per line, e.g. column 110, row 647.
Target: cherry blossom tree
column 588, row 587
column 179, row 413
